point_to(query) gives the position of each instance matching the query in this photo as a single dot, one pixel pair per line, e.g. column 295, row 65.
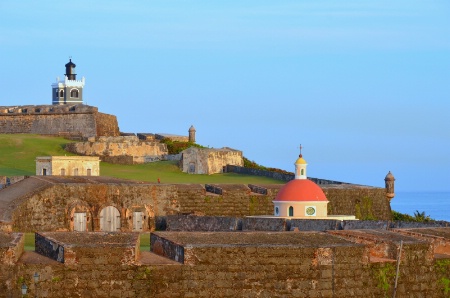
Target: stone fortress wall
column 65, row 120
column 48, row 203
column 121, row 149
column 353, row 263
column 209, row 160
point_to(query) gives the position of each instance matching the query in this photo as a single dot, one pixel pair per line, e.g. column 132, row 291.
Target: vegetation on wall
column 175, row 147
column 363, row 209
column 385, row 276
column 443, row 271
column 253, row 165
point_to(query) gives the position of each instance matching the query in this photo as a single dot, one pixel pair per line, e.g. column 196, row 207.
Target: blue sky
column 363, row 85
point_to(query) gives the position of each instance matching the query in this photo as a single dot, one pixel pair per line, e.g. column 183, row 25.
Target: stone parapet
column 66, row 120
column 121, row 149
column 83, row 248
column 62, row 194
column 234, row 264
column 11, row 247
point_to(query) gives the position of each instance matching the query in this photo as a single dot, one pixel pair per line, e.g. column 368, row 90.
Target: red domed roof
column 301, row 190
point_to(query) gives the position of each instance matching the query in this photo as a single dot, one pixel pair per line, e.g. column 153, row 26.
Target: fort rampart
column 65, row 120
column 51, row 202
column 120, row 150
column 233, row 264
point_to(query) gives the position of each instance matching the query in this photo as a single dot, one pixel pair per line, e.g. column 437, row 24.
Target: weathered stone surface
column 209, row 160
column 202, row 223
column 48, row 203
column 11, row 247
column 120, row 150
column 67, row 120
column 235, row 264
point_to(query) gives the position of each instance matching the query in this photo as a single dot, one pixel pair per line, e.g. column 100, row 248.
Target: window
column 302, row 172
column 277, row 211
column 291, row 211
column 63, row 172
column 61, row 93
column 74, row 93
column 56, row 93
column 44, row 172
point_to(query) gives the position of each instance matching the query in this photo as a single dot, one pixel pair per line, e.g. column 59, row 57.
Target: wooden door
column 110, row 219
column 79, row 221
column 138, row 221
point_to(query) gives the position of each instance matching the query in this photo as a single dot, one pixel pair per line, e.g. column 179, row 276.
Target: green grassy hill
column 18, row 153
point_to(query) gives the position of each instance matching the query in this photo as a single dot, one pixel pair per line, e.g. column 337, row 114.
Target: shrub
column 418, row 216
column 175, row 147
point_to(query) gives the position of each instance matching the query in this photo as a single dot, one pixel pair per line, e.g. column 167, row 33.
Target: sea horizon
column 435, row 204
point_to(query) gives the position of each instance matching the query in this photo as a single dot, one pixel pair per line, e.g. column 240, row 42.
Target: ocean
column 435, row 204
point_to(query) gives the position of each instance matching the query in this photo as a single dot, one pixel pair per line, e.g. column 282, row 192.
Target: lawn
column 19, row 151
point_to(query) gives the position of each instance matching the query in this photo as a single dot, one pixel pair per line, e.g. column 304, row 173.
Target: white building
column 68, row 165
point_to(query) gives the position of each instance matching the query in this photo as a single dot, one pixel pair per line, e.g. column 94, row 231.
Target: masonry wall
column 121, row 150
column 52, row 208
column 234, row 272
column 209, row 161
column 306, row 265
column 106, row 125
column 78, row 120
column 363, row 202
column 299, row 277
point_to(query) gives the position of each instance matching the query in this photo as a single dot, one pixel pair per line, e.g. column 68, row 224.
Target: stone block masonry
column 120, row 150
column 232, row 264
column 52, row 207
column 67, row 120
column 11, row 247
column 75, row 248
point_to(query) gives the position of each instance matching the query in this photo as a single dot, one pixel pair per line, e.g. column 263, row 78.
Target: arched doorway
column 110, row 219
column 79, row 222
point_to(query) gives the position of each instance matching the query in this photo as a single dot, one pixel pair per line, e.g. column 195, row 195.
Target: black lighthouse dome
column 70, row 70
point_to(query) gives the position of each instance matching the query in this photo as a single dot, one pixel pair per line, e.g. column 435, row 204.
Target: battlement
column 69, row 83
column 77, row 120
column 47, row 109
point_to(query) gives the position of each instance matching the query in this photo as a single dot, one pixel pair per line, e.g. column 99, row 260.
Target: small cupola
column 300, row 166
column 70, row 70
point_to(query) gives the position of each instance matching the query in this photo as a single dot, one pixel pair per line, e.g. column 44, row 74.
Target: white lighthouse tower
column 69, row 90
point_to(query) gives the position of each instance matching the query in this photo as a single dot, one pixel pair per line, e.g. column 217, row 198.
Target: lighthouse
column 69, row 90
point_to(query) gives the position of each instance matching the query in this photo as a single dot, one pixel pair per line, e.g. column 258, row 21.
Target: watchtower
column 192, row 134
column 389, row 185
column 69, row 90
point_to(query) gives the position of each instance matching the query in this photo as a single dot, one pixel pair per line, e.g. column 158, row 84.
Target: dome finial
column 300, row 150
